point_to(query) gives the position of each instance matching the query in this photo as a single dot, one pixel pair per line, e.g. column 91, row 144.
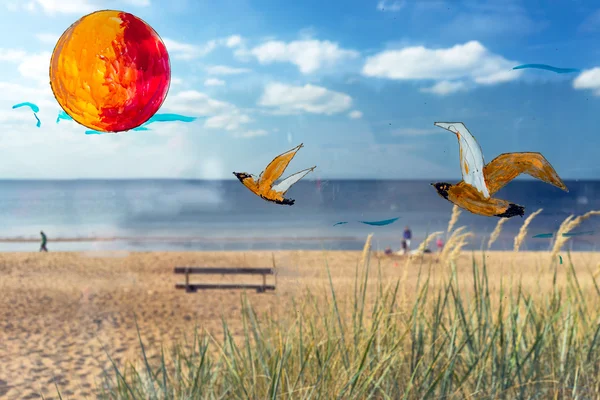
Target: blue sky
column 360, row 83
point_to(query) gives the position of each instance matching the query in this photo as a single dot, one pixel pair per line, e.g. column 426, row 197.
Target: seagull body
column 263, row 185
column 481, row 181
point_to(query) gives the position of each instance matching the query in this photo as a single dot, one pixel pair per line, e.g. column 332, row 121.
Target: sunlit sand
column 58, row 310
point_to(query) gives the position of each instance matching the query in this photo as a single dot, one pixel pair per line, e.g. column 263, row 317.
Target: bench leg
column 187, row 281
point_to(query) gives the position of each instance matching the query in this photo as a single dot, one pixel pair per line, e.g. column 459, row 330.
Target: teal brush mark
column 63, row 115
column 549, row 235
column 340, row 223
column 33, row 108
column 154, row 118
column 381, row 223
column 548, row 68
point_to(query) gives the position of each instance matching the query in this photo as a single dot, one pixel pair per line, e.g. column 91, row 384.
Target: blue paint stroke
column 169, row 118
column 63, row 115
column 548, row 68
column 549, row 235
column 154, row 118
column 33, row 108
column 164, row 118
column 381, row 223
column 340, row 223
column 578, row 233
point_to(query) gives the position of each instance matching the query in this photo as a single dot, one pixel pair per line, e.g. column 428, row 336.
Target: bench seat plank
column 224, row 271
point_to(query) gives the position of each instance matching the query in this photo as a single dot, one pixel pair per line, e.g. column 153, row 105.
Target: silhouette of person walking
column 407, row 237
column 44, row 241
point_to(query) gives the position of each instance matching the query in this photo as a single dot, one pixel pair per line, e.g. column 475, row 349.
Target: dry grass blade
column 496, row 233
column 425, row 243
column 366, row 249
column 520, row 238
column 452, row 241
column 567, row 226
column 460, row 243
column 454, row 218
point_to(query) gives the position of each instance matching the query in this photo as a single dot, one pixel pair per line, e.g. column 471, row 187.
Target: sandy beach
column 62, row 313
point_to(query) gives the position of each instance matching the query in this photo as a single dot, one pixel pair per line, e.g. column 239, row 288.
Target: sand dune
column 62, row 313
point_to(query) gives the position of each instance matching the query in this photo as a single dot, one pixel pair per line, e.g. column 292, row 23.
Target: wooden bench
column 194, row 287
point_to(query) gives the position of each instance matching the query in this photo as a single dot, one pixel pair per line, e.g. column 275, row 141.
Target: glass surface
column 458, row 138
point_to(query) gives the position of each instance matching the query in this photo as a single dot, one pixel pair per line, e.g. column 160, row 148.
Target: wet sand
column 62, row 313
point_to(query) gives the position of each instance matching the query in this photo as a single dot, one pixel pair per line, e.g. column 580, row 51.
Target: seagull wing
column 276, row 168
column 471, row 156
column 506, row 167
column 285, row 185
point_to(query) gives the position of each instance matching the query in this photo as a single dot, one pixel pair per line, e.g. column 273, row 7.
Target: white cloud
column 444, row 88
column 308, row 98
column 225, row 70
column 139, row 3
column 192, row 101
column 385, row 5
column 230, row 121
column 62, row 6
column 252, row 133
column 588, row 79
column 355, row 114
column 35, row 66
column 308, row 55
column 32, row 66
column 233, row 41
column 12, row 55
column 176, row 81
column 469, row 61
column 69, row 6
column 220, row 114
column 48, row 38
column 214, row 82
column 187, row 51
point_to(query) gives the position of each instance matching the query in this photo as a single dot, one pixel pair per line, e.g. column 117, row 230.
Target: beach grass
column 455, row 338
column 484, row 324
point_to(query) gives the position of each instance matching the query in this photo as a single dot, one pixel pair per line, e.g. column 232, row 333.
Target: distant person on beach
column 440, row 244
column 44, row 241
column 404, row 246
column 407, row 237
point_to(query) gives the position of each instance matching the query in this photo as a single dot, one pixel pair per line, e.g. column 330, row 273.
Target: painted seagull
column 481, row 181
column 263, row 185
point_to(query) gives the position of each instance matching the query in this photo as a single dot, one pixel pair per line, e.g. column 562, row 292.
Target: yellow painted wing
column 275, row 169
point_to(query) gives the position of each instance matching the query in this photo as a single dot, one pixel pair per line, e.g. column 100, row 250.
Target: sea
column 196, row 215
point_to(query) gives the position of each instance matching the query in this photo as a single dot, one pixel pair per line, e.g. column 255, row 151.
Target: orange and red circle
column 110, row 71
